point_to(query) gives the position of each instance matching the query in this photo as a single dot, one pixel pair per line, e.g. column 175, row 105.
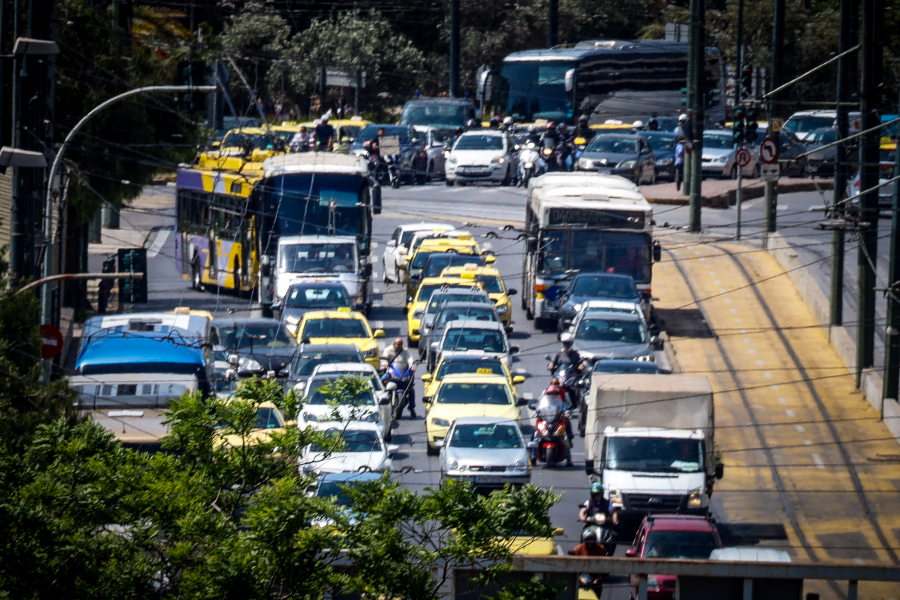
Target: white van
column 801, row 123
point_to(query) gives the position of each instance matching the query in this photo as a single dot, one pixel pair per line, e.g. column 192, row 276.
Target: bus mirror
column 657, row 252
column 570, row 80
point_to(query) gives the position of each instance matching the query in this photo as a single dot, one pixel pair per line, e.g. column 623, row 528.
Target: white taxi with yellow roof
column 416, row 304
column 490, row 279
column 467, row 365
column 468, row 395
column 340, row 327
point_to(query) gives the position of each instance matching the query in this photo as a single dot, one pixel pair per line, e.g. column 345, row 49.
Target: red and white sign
column 53, row 342
column 768, row 151
column 742, row 157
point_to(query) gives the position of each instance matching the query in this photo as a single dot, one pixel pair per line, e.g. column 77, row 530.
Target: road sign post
column 742, row 159
column 768, row 151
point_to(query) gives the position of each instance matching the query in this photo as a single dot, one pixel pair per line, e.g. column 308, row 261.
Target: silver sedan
column 487, row 451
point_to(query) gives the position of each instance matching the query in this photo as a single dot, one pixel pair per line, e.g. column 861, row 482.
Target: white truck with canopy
column 650, row 442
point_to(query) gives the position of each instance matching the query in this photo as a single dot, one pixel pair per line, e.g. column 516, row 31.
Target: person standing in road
column 397, row 355
column 324, row 136
column 679, row 162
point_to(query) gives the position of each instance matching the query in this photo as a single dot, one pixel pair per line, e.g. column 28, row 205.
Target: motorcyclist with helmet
column 549, row 140
column 495, row 122
column 567, row 356
column 637, row 126
column 583, row 130
column 565, row 148
column 397, row 355
column 508, row 124
column 472, row 124
column 554, row 398
column 596, row 503
column 589, row 545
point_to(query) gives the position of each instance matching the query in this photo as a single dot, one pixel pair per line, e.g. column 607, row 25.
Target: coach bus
column 230, row 220
column 606, row 80
column 578, row 222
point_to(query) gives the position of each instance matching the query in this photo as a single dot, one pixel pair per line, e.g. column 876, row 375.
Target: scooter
column 528, row 158
column 551, row 438
column 570, row 380
column 592, row 582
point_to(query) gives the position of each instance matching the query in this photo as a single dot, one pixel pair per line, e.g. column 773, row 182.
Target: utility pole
column 771, row 190
column 697, row 57
column 870, row 79
column 455, row 91
column 739, row 61
column 840, row 166
column 552, row 23
column 891, row 376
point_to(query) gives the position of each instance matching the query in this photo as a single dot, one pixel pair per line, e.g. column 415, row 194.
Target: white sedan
column 481, row 155
column 363, row 449
column 396, row 251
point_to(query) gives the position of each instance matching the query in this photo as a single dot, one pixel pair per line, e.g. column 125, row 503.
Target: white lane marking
column 374, row 245
column 743, row 331
column 799, row 428
column 717, row 282
column 774, row 387
column 727, row 300
column 807, row 442
column 487, row 245
column 790, row 413
column 379, row 324
column 746, row 340
column 732, row 310
column 767, row 375
column 760, row 363
column 783, row 207
column 783, row 400
column 377, row 289
column 820, row 464
column 158, row 243
column 702, row 259
column 528, row 396
column 723, row 291
column 751, row 351
column 712, row 272
column 737, row 320
column 521, row 371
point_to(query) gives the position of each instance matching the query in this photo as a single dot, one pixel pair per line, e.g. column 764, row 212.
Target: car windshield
column 252, row 335
column 427, row 290
column 602, row 366
column 355, row 440
column 459, row 314
column 371, row 132
column 305, row 364
column 680, row 544
column 632, row 310
column 604, row 287
column 609, row 144
column 608, row 330
column 488, row 366
column 321, row 396
column 266, row 418
column 317, row 258
column 486, row 436
column 826, row 135
column 479, row 142
column 437, row 300
column 465, row 338
column 260, row 141
column 491, row 283
column 661, row 142
column 299, row 296
column 807, row 124
column 436, row 263
column 433, row 114
column 334, row 328
column 655, row 455
column 718, row 142
column 336, row 490
column 473, row 393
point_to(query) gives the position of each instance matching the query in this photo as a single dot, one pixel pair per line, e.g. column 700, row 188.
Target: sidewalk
column 722, row 193
column 150, row 211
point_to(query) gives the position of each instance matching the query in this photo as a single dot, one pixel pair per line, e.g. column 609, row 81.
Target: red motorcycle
column 551, row 439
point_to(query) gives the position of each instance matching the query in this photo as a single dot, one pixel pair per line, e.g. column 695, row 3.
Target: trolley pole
column 552, row 23
column 454, row 49
column 771, row 192
column 697, row 56
column 891, row 376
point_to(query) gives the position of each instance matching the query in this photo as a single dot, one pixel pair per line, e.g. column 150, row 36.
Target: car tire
column 384, row 273
column 449, row 182
column 506, row 179
column 431, row 451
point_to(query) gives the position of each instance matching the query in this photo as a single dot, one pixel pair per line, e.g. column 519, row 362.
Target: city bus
column 606, row 80
column 583, row 223
column 230, row 219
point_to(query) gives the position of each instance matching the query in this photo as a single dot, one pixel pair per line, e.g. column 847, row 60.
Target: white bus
column 577, row 222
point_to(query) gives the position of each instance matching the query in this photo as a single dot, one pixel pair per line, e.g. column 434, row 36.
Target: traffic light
column 194, row 74
column 750, row 133
column 684, row 91
column 710, row 96
column 132, row 290
column 737, row 128
column 746, row 81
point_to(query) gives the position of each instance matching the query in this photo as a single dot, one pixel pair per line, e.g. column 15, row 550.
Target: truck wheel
column 431, row 451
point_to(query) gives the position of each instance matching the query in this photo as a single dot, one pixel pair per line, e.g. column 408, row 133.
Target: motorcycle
column 592, row 582
column 383, row 170
column 551, row 438
column 528, row 158
column 399, row 385
column 604, row 534
column 571, row 380
column 548, row 153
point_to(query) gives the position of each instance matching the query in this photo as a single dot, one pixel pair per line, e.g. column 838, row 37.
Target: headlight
column 502, row 309
column 627, row 164
column 251, row 364
column 577, row 308
column 440, row 422
column 308, row 417
column 498, row 160
column 371, row 353
column 451, row 160
column 520, row 464
column 600, row 518
column 652, row 582
column 452, row 465
column 645, row 358
column 585, row 163
column 722, row 159
column 665, row 162
column 547, row 151
column 695, row 500
column 372, row 418
column 615, row 499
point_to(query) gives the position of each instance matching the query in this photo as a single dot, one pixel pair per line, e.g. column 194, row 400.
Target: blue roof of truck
column 134, row 348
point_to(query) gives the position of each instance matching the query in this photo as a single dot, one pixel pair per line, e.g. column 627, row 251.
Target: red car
column 672, row 536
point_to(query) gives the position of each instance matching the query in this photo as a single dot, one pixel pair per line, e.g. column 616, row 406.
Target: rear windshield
column 680, row 544
column 612, row 145
column 481, row 367
column 604, row 287
column 473, row 393
column 469, row 314
column 320, row 396
column 607, row 330
column 354, row 441
column 486, row 436
column 479, row 142
column 465, row 338
column 440, row 299
column 334, row 328
column 304, row 365
column 253, row 335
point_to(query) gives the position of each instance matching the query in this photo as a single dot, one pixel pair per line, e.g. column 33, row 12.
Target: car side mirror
column 513, row 349
column 402, row 251
column 656, row 341
column 508, row 330
column 631, row 553
column 438, row 443
column 512, row 292
column 378, row 333
column 426, row 377
column 518, row 379
column 646, row 296
column 531, row 445
column 566, row 336
column 385, row 401
column 547, row 357
column 720, row 470
column 521, row 402
column 489, row 259
column 393, row 449
column 434, row 345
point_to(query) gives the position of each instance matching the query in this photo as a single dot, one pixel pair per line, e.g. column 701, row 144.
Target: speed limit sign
column 742, row 157
column 768, row 151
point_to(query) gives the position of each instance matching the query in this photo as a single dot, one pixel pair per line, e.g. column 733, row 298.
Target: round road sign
column 53, row 342
column 768, row 151
column 742, row 157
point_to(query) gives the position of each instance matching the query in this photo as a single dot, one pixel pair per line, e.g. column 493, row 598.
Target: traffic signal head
column 684, row 92
column 133, row 290
column 711, row 96
column 739, row 114
column 746, row 80
column 737, row 131
column 750, row 133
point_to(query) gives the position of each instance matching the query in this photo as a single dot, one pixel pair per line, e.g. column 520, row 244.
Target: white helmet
column 682, row 118
column 508, row 121
column 637, row 125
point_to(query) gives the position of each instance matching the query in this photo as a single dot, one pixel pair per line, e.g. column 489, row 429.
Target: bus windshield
column 605, row 251
column 320, row 203
column 433, row 114
column 317, row 258
column 532, row 90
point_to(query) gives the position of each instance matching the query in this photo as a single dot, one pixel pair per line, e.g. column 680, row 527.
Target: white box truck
column 650, row 441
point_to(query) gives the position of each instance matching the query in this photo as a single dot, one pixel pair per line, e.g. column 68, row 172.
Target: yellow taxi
column 269, row 420
column 492, row 282
column 413, row 268
column 265, row 144
column 340, row 327
column 541, row 546
column 345, row 130
column 468, row 396
column 467, row 365
column 415, row 307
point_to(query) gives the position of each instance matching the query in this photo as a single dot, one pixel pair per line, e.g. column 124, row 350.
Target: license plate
column 490, row 479
column 473, row 171
column 604, row 170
